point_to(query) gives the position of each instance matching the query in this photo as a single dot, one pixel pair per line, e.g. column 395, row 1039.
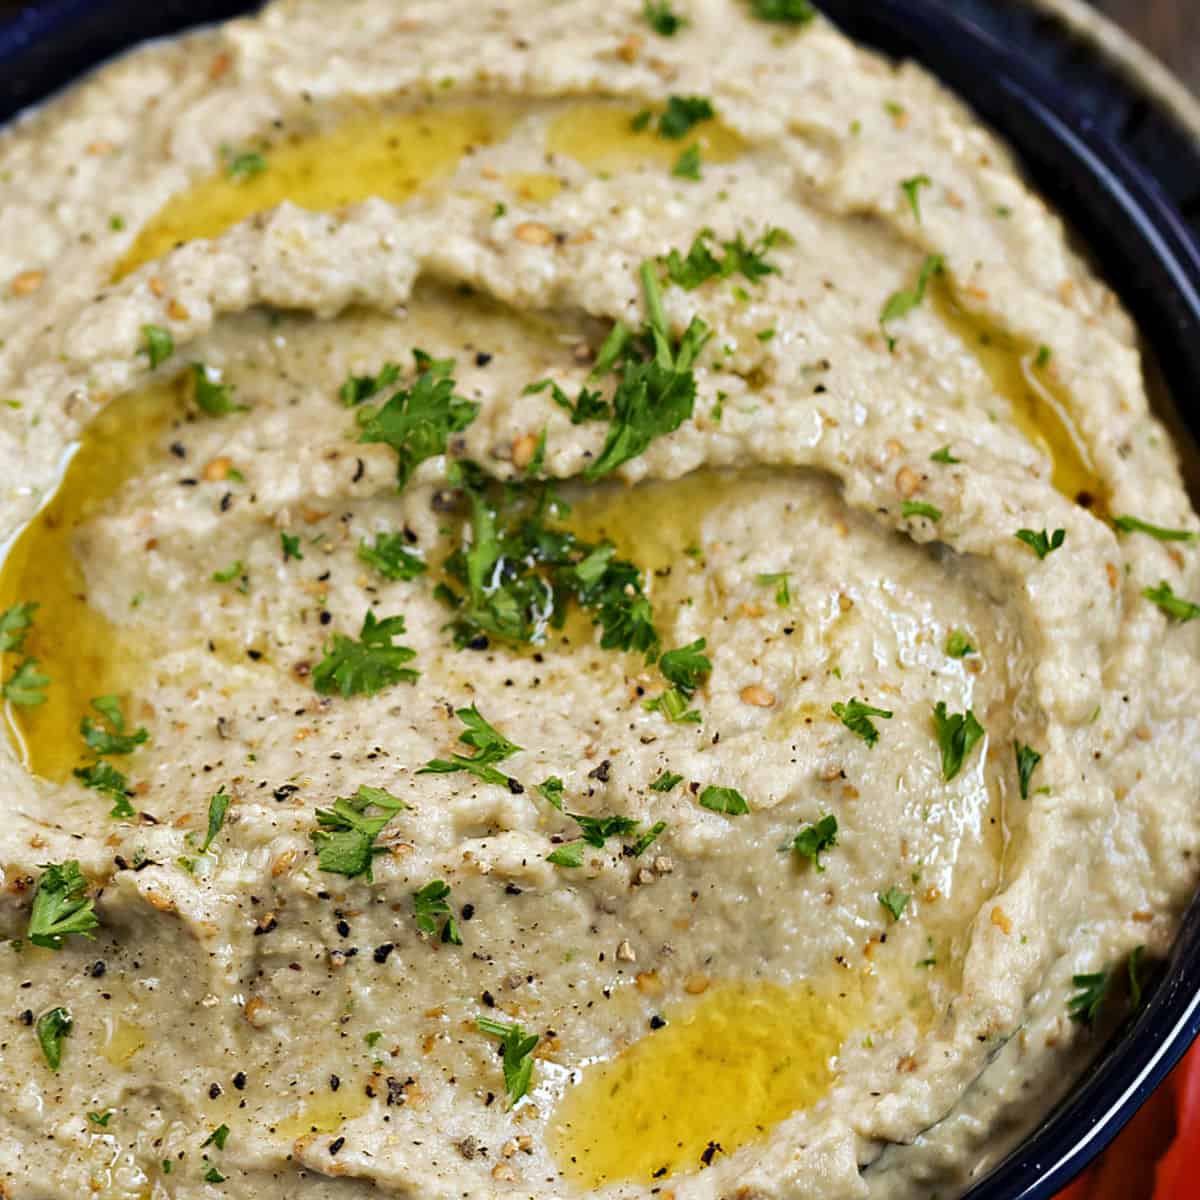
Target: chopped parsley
column 688, row 164
column 589, row 405
column 61, row 906
column 212, row 396
column 701, row 264
column 856, row 716
column 15, row 624
column 391, row 557
column 1027, row 761
column 779, row 580
column 912, row 189
column 107, row 735
column 656, row 391
column 918, row 508
column 345, row 834
column 490, row 747
column 659, row 15
column 784, row 12
column 813, row 840
column 213, row 1175
column 360, row 388
column 517, row 574
column 366, row 666
column 685, row 669
column 52, row 1029
column 1136, row 525
column 290, row 544
column 159, row 344
column 1042, row 543
column 418, row 420
column 1043, row 357
column 244, row 164
column 958, row 645
column 430, row 906
column 26, row 687
column 552, row 791
column 218, row 806
column 1177, row 608
column 725, row 800
column 895, row 901
column 235, row 570
column 944, row 456
column 518, row 1050
column 957, row 734
column 218, row 1138
column 682, row 115
column 100, row 1118
column 900, row 304
column 667, row 781
column 108, row 781
column 1085, row 1005
column 647, row 839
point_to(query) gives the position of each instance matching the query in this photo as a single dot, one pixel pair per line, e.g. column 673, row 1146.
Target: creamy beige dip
column 795, row 947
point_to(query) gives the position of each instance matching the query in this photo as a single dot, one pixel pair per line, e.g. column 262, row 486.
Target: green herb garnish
column 52, row 1029
column 1027, row 761
column 725, row 800
column 1041, row 543
column 1087, row 1002
column 813, row 840
column 856, row 716
column 518, row 1050
column 1135, row 525
column 918, row 508
column 430, row 906
column 108, row 781
column 688, row 164
column 61, row 906
column 391, row 557
column 701, row 264
column 218, row 806
column 1177, row 608
column 290, row 544
column 895, row 901
column 957, row 734
column 108, row 736
column 900, row 304
column 912, row 189
column 659, row 15
column 159, row 344
column 779, row 580
column 211, row 395
column 366, row 666
column 958, row 645
column 26, row 687
column 784, row 12
column 666, row 782
column 345, row 834
column 685, row 669
column 490, row 747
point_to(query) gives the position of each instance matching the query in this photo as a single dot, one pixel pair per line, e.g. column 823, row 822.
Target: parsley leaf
column 918, row 508
column 900, row 304
column 211, row 395
column 685, row 669
column 519, row 573
column 856, row 716
column 391, row 557
column 944, row 456
column 785, row 12
column 366, row 666
column 814, row 839
column 290, row 544
column 160, row 345
column 108, row 781
column 100, row 1118
column 108, row 736
column 52, row 1029
column 958, row 645
column 61, row 906
column 587, row 406
column 1125, row 525
column 683, row 114
column 346, row 833
column 360, row 388
column 895, row 901
column 779, row 581
column 957, row 734
column 430, row 906
column 244, row 164
column 1027, row 761
column 1087, row 1002
column 912, row 189
column 570, row 855
column 26, row 687
column 417, row 421
column 218, row 806
column 15, row 624
column 701, row 264
column 552, row 791
column 647, row 839
column 1177, row 608
column 653, row 397
column 518, row 1050
column 688, row 164
column 725, row 800
column 660, row 17
column 213, row 1175
column 218, row 1138
column 490, row 745
column 1042, row 543
column 666, row 782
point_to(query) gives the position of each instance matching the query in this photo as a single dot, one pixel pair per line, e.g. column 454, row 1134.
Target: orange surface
column 1157, row 1156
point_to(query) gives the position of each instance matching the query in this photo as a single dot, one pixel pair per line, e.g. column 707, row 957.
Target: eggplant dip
column 591, row 602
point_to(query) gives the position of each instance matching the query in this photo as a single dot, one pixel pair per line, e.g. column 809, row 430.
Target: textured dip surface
column 591, row 602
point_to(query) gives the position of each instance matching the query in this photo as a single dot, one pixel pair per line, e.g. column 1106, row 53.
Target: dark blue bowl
column 1127, row 176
